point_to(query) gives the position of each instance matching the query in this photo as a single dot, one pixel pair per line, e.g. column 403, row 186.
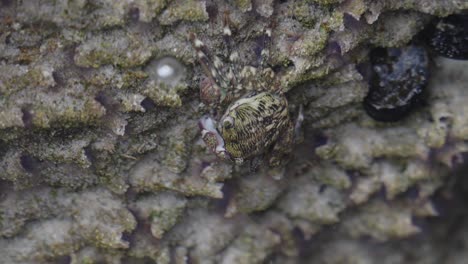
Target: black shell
column 397, row 79
column 449, row 37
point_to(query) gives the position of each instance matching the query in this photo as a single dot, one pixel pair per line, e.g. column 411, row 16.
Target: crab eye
column 228, row 123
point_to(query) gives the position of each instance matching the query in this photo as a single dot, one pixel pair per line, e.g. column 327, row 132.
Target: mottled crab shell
column 253, row 123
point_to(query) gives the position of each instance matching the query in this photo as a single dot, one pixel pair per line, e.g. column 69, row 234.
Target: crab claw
column 212, row 137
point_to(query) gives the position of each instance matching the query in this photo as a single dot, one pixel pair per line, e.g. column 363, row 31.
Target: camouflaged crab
column 256, row 120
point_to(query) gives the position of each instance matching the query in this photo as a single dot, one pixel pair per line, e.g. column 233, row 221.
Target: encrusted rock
column 101, row 158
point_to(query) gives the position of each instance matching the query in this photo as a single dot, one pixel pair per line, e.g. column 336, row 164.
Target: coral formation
column 102, row 160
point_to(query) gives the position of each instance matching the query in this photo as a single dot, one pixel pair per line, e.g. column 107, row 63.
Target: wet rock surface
column 102, row 161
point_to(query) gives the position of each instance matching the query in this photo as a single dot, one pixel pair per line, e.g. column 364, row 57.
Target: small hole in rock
column 89, row 154
column 333, row 48
column 63, row 260
column 212, row 11
column 320, row 140
column 322, row 188
column 58, row 78
column 350, row 22
column 444, row 119
column 134, row 14
column 127, row 236
column 103, row 99
column 27, row 118
column 29, row 163
column 458, row 159
column 412, row 192
column 148, row 104
column 8, row 39
column 228, row 190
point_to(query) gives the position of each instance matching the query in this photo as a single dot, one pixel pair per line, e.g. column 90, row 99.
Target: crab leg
column 233, row 54
column 265, row 53
column 210, row 69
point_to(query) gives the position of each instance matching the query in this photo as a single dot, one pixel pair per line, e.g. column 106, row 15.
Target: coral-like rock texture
column 102, row 161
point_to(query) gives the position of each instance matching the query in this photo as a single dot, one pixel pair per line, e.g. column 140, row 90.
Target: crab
column 256, row 121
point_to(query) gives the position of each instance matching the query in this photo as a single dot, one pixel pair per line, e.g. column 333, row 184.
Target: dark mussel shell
column 448, row 37
column 398, row 77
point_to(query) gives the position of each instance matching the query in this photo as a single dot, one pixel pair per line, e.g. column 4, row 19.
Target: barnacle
column 166, row 80
column 167, row 70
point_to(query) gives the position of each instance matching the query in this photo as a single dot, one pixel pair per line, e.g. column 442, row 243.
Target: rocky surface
column 101, row 158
